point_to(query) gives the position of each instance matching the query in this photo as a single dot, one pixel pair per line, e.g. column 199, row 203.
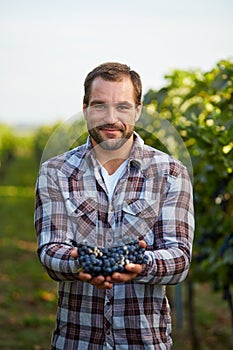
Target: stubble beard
column 111, row 144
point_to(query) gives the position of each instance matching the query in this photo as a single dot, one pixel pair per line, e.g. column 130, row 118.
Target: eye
column 99, row 107
column 123, row 107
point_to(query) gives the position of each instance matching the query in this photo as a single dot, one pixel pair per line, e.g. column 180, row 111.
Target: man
column 110, row 190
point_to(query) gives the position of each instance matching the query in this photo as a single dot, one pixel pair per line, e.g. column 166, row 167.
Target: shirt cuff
column 146, row 267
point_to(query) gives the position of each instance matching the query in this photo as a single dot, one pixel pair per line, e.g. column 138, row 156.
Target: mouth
column 111, row 131
column 110, row 128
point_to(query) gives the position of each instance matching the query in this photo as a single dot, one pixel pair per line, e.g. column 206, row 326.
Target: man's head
column 113, row 71
column 112, row 104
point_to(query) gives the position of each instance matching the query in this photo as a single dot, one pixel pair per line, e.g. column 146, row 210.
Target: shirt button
column 110, row 240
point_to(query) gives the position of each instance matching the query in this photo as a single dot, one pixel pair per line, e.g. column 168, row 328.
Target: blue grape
column 102, row 261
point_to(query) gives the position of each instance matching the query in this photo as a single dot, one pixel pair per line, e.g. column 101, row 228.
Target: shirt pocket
column 139, row 219
column 82, row 213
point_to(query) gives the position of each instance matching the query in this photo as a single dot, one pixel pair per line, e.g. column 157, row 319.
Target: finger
column 74, row 253
column 122, row 277
column 98, row 280
column 134, row 268
column 105, row 285
column 85, row 277
column 142, row 244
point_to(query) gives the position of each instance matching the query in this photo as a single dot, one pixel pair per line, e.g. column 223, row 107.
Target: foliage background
column 200, row 106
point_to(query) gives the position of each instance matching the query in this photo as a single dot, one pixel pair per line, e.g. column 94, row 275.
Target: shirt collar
column 136, row 154
column 135, row 157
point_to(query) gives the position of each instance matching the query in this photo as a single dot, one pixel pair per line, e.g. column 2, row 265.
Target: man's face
column 111, row 113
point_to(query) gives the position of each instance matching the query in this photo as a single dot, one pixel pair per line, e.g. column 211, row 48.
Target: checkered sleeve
column 170, row 256
column 54, row 231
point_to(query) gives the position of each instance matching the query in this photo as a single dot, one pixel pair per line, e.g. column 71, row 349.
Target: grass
column 212, row 322
column 28, row 297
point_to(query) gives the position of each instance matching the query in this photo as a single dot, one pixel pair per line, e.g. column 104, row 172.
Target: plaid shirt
column 154, row 199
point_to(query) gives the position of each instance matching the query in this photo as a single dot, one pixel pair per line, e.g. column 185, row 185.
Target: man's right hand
column 74, row 253
column 99, row 281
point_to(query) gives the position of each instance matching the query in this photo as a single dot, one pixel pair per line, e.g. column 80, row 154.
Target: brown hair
column 113, row 71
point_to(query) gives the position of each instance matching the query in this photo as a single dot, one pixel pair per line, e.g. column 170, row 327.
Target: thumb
column 74, row 253
column 142, row 244
column 135, row 268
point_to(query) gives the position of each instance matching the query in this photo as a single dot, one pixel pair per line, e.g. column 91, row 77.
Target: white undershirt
column 111, row 180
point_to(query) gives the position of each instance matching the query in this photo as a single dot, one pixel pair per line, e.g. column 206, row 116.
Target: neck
column 112, row 159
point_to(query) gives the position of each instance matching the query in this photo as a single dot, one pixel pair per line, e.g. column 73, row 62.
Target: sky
column 47, row 47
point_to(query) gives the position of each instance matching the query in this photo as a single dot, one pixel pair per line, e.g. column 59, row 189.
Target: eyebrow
column 95, row 102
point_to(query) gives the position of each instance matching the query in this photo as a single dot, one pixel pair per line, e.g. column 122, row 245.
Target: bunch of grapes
column 105, row 261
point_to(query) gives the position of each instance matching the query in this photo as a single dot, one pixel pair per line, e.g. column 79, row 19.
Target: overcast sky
column 48, row 47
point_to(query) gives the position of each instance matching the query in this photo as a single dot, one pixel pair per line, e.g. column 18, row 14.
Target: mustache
column 116, row 127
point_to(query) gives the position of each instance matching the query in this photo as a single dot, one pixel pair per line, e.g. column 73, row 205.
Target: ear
column 138, row 111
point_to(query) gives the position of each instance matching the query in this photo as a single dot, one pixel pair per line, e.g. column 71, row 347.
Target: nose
column 110, row 115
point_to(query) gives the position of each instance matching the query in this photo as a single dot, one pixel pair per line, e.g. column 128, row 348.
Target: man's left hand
column 133, row 270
